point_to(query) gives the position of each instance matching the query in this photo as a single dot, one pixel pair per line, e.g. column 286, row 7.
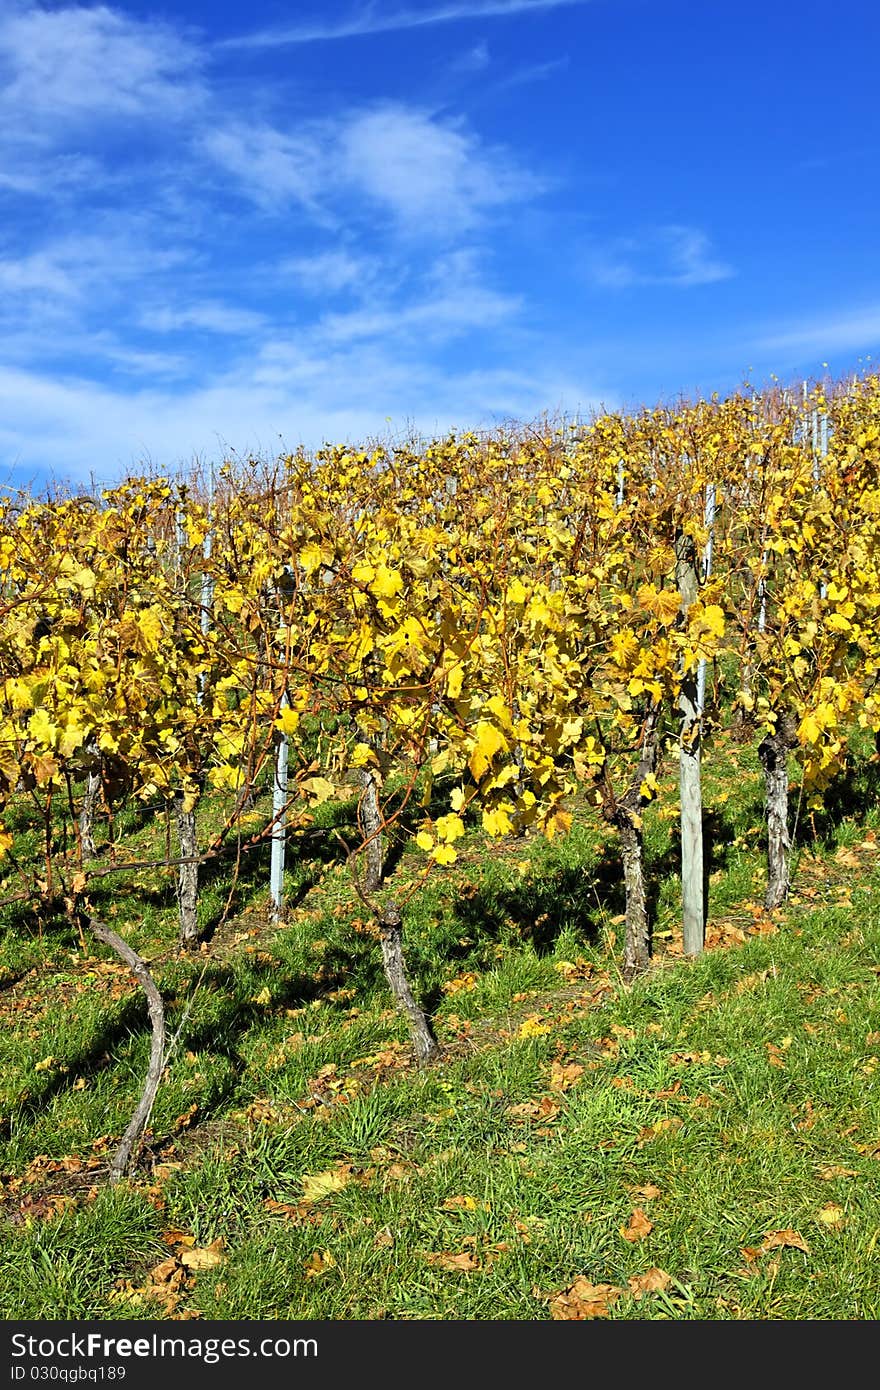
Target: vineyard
column 392, row 659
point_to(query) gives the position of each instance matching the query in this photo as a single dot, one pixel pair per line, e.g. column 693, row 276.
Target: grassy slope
column 298, row 1167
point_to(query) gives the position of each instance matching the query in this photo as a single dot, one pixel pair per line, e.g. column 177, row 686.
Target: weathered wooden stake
column 125, row 1155
column 371, row 828
column 773, row 751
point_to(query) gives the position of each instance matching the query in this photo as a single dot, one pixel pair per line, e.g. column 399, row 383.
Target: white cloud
column 432, row 320
column 367, row 21
column 274, row 168
column 857, row 330
column 37, row 174
column 149, row 314
column 284, row 396
column 476, row 59
column 75, row 62
column 445, row 299
column 209, row 315
column 39, row 273
column 83, row 271
column 330, row 272
column 534, row 72
column 435, row 179
column 672, row 255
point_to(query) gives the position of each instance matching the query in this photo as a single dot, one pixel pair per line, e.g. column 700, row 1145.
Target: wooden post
column 371, row 829
column 773, row 752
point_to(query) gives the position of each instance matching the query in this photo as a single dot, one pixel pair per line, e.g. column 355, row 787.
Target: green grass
column 727, row 1098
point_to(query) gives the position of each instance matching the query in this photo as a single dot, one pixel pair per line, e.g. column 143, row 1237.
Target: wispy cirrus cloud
column 452, row 300
column 83, row 265
column 273, row 167
column 209, row 316
column 73, row 63
column 203, row 267
column 286, row 394
column 475, row 59
column 431, row 177
column 329, row 273
column 673, row 255
column 75, row 82
column 856, row 330
column 368, row 21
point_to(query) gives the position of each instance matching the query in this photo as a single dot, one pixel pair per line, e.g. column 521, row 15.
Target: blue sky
column 243, row 227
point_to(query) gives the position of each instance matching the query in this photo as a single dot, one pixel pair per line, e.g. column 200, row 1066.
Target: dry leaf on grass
column 652, row 1281
column 319, row 1185
column 564, row 1075
column 583, row 1300
column 455, row 1264
column 649, row 1132
column 204, row 1256
column 318, row 1264
column 461, row 982
column 774, row 1240
column 638, row 1227
column 544, row 1109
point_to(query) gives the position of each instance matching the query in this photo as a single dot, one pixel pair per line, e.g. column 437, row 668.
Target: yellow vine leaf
column 287, row 721
column 488, row 740
column 449, row 828
column 444, row 854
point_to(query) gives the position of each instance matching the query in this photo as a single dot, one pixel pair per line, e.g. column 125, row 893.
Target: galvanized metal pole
column 279, row 825
column 692, row 888
column 207, row 582
column 707, row 570
column 820, row 449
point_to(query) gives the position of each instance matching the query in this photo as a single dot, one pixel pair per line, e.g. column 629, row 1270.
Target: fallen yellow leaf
column 318, row 1185
column 830, row 1215
column 318, row 1264
column 204, row 1256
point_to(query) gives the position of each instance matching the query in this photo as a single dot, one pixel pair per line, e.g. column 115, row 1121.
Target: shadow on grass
column 234, row 1014
column 129, row 1016
column 581, row 899
column 239, row 874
